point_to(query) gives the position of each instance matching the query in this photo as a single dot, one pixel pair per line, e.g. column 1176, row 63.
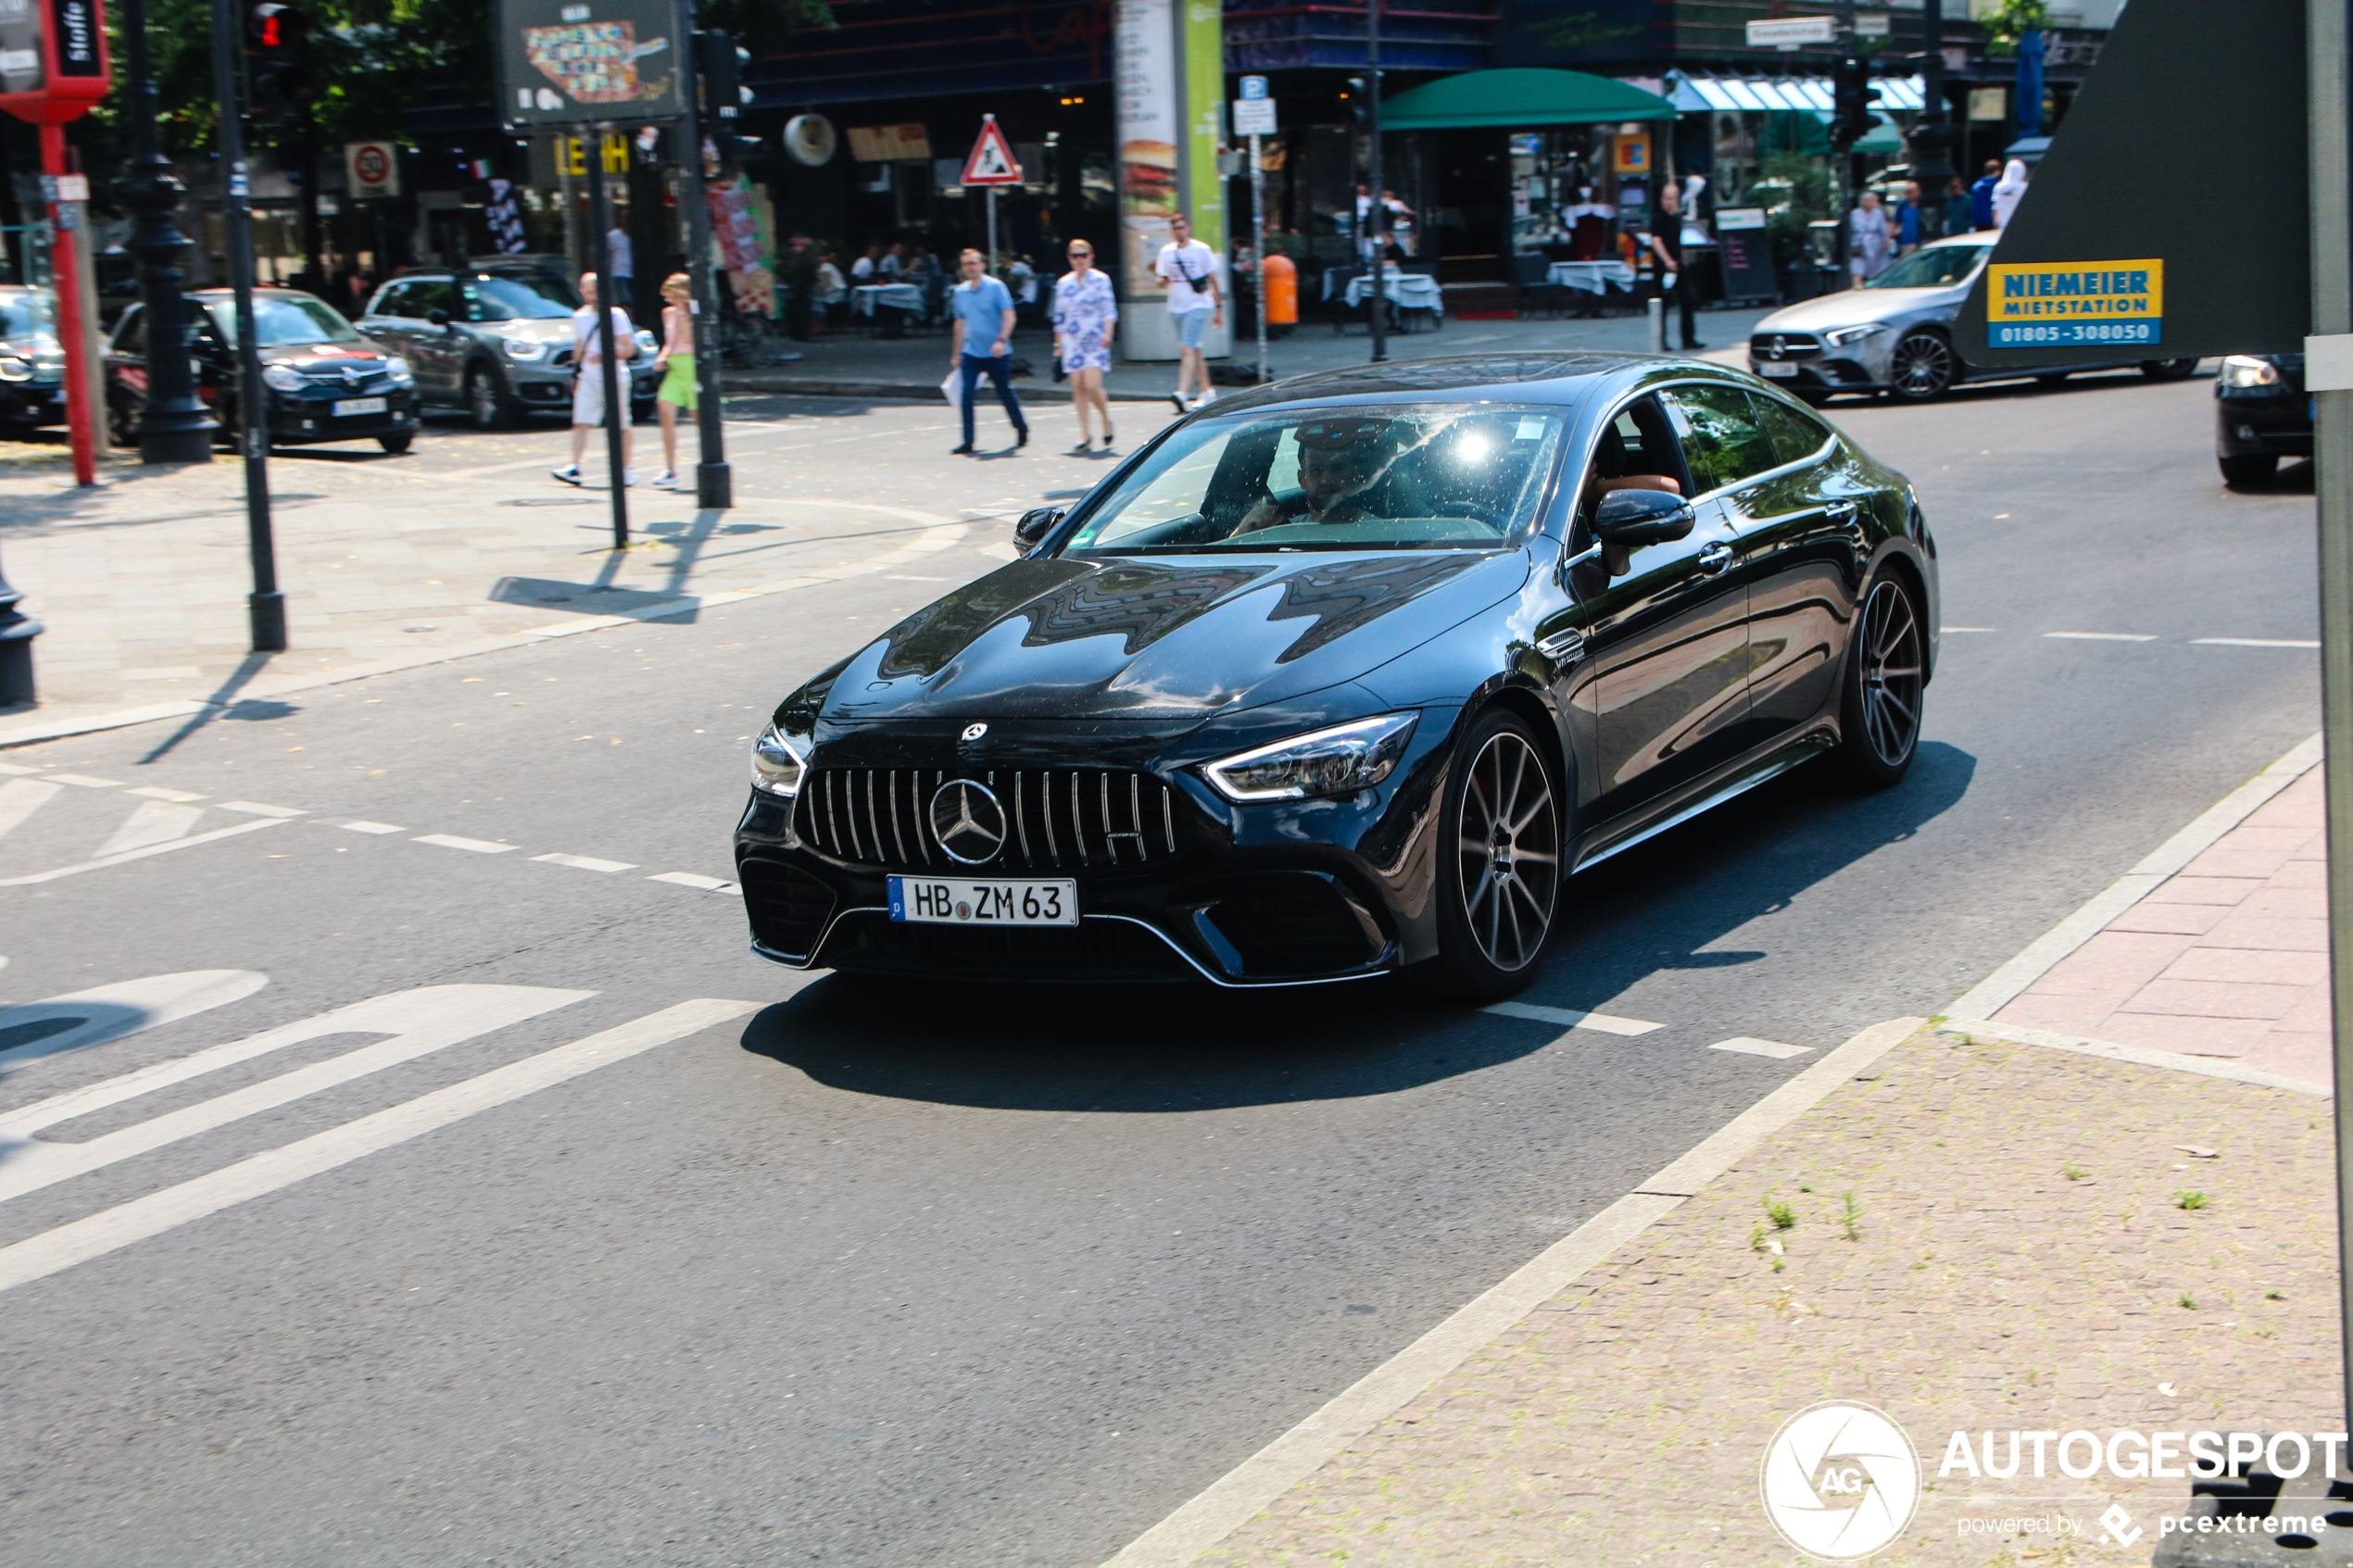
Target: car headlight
column 1340, row 760
column 2238, row 370
column 1839, row 337
column 285, row 378
column 525, row 348
column 778, row 761
column 13, row 368
column 646, row 343
column 400, row 373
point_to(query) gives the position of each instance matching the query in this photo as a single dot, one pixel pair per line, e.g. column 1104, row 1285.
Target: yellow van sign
column 2048, row 303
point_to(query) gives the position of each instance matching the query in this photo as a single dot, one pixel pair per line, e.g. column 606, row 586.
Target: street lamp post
column 1375, row 215
column 173, row 424
column 1932, row 137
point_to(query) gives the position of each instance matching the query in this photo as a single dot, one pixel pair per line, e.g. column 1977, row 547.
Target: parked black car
column 1345, row 674
column 2261, row 414
column 33, row 363
column 326, row 381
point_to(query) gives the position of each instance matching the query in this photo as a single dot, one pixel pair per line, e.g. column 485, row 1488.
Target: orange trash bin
column 1282, row 291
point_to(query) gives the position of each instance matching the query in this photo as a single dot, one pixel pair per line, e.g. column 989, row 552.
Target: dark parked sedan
column 2261, row 414
column 32, row 365
column 1345, row 675
column 324, row 382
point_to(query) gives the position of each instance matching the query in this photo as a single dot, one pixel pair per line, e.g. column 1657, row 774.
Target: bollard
column 1658, row 308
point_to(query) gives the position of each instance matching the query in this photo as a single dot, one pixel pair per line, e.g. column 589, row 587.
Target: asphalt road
column 976, row 1277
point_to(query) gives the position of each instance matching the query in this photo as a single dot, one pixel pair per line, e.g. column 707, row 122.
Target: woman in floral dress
column 1084, row 314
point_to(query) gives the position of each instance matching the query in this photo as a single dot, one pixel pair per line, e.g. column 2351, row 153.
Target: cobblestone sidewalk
column 1969, row 1234
column 142, row 582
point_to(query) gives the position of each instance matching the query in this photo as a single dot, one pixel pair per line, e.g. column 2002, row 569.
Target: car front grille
column 1057, row 819
column 1784, row 346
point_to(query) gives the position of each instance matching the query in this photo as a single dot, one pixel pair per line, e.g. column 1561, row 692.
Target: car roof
column 1566, row 377
column 1981, row 237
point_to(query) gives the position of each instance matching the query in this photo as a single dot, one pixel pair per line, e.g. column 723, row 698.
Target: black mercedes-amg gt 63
column 1347, row 675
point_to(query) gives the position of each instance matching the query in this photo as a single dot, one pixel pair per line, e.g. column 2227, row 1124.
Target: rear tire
column 1886, row 677
column 2246, row 470
column 2056, row 377
column 396, row 444
column 1923, row 367
column 1498, row 861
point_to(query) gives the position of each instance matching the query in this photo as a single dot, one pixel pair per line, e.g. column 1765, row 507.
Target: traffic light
column 720, row 62
column 1354, row 98
column 1850, row 99
column 278, row 70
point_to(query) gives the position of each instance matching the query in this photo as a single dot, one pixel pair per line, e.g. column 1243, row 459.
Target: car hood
column 1852, row 308
column 1163, row 637
column 556, row 330
column 327, row 359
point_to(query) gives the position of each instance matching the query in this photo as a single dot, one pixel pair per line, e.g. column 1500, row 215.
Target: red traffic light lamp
column 278, row 60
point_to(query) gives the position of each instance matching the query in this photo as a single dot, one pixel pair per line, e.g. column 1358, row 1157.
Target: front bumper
column 2261, row 421
column 34, row 402
column 299, row 418
column 1174, row 882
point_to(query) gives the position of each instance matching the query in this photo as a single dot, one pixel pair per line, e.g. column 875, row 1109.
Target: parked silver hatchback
column 493, row 342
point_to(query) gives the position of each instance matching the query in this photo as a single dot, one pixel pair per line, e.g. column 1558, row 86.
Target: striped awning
column 1770, row 94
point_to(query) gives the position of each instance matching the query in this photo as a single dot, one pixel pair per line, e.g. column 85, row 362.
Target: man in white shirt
column 588, row 380
column 1188, row 269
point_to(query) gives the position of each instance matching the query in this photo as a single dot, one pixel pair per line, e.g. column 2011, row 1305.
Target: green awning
column 1520, row 98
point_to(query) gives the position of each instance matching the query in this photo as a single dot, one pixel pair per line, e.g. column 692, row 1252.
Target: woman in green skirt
column 676, row 363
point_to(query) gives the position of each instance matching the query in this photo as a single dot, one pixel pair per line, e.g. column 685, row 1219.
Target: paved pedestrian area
column 2226, row 958
column 1969, row 1234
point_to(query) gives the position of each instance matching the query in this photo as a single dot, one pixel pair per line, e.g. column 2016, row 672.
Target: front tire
column 488, row 405
column 2245, row 471
column 1886, row 678
column 1499, row 863
column 396, row 444
column 1923, row 367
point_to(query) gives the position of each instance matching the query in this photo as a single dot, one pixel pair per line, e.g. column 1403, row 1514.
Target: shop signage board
column 1168, row 60
column 572, row 62
column 1788, row 32
column 2104, row 259
column 1747, row 254
column 53, row 60
column 371, row 169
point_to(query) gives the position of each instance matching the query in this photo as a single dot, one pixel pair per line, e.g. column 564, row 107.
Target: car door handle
column 1715, row 559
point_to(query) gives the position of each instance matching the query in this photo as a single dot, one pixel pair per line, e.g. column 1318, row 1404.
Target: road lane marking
column 419, row 1021
column 586, row 864
column 21, row 799
column 363, row 826
column 105, row 860
column 83, row 781
column 2103, row 636
column 689, row 879
column 157, row 792
column 16, row 767
column 1569, row 1017
column 111, row 1229
column 255, row 809
column 152, row 822
column 451, row 841
column 1748, row 1044
column 2255, row 642
column 1949, row 629
column 111, row 1012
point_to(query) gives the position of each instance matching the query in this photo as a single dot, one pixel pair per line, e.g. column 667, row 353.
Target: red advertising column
column 53, row 67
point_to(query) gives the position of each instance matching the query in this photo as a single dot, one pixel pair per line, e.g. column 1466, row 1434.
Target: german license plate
column 1772, row 368
column 946, row 901
column 350, row 405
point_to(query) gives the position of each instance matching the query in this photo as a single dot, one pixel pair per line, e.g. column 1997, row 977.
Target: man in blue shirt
column 983, row 310
column 1981, row 195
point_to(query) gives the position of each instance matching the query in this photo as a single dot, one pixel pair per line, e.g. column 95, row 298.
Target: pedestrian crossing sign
column 992, row 162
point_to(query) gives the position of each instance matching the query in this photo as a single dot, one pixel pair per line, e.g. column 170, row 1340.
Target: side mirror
column 438, row 318
column 1034, row 525
column 1631, row 518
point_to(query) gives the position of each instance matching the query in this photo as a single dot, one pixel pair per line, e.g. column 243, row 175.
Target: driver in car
column 1340, row 460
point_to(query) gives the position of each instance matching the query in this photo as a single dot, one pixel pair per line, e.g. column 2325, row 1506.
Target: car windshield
column 1939, row 267
column 284, row 321
column 1403, row 477
column 529, row 299
column 26, row 315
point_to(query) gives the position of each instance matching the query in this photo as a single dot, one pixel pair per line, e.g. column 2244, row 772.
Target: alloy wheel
column 1921, row 366
column 1510, row 851
column 1890, row 674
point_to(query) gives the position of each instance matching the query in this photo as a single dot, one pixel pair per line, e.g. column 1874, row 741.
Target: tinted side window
column 434, row 295
column 131, row 332
column 1794, row 436
column 392, row 302
column 1722, row 439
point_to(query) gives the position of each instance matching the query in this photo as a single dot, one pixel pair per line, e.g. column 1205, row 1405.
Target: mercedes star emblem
column 969, row 821
column 1780, row 349
column 974, row 731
